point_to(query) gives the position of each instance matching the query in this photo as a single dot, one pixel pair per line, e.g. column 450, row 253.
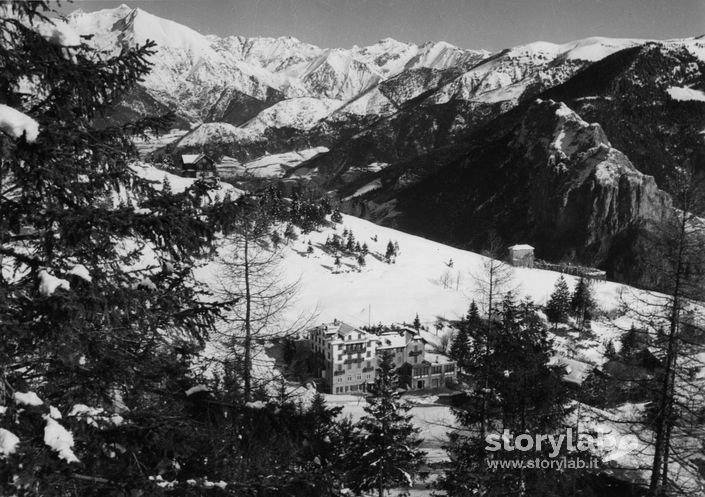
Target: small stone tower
column 521, row 255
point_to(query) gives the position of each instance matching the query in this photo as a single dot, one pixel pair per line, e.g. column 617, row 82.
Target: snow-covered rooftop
column 191, row 158
column 391, row 340
column 575, row 371
column 435, row 358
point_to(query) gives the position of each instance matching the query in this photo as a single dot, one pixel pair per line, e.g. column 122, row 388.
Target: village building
column 347, row 358
column 198, row 166
column 521, row 255
column 576, row 372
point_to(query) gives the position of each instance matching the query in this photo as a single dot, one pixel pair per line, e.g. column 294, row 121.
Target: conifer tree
column 166, row 186
column 526, row 396
column 630, row 344
column 336, row 217
column 82, row 324
column 610, row 351
column 365, row 249
column 295, row 209
column 460, row 348
column 290, row 232
column 558, row 306
column 582, row 303
column 361, row 260
column 276, row 239
column 386, row 453
column 391, row 252
column 417, row 322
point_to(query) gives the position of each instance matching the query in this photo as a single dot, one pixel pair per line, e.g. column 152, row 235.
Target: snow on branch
column 49, row 283
column 16, row 123
column 8, row 443
column 28, row 399
column 59, row 33
column 60, row 439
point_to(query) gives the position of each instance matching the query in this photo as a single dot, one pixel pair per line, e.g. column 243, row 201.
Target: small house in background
column 198, row 166
column 521, row 255
column 576, row 372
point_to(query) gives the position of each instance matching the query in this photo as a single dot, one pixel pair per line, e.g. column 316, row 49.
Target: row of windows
column 359, row 354
column 350, row 378
column 358, row 365
column 445, row 368
column 350, row 388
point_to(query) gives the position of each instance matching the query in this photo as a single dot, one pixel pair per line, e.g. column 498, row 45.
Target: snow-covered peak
column 387, row 56
column 589, row 49
column 273, row 54
column 507, row 77
column 597, row 48
column 443, row 55
column 338, row 74
column 140, row 26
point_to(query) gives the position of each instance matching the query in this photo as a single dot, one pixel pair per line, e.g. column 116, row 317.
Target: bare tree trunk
column 248, row 322
column 659, row 466
column 490, row 304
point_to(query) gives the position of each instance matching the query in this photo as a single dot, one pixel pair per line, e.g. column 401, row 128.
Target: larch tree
column 492, row 281
column 672, row 322
column 252, row 276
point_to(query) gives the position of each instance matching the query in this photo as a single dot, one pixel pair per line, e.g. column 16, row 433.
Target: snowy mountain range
column 398, row 128
column 209, row 78
column 194, row 73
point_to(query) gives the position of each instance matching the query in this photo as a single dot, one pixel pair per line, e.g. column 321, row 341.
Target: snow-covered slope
column 214, row 134
column 179, row 183
column 396, row 292
column 299, row 113
column 276, row 165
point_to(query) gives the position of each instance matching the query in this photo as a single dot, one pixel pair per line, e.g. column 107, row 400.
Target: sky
column 476, row 24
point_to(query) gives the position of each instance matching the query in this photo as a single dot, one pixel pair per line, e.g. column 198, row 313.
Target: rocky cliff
column 551, row 179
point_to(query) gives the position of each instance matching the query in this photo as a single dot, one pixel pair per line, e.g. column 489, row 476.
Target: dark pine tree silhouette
column 582, row 303
column 386, row 453
column 81, row 322
column 559, row 303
